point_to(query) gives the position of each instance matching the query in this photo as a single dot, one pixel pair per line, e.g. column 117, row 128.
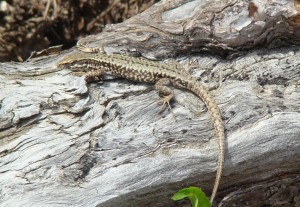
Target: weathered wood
column 64, row 142
column 182, row 27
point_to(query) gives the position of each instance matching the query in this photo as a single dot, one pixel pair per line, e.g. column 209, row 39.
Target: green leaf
column 196, row 196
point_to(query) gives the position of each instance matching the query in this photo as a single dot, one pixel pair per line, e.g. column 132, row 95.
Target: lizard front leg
column 94, row 75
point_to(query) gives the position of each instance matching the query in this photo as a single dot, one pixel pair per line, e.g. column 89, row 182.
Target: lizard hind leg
column 162, row 85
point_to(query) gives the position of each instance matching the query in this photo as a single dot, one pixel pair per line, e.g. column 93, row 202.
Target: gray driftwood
column 66, row 143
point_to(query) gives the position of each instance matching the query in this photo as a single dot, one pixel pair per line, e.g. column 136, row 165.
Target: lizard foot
column 166, row 101
column 166, row 92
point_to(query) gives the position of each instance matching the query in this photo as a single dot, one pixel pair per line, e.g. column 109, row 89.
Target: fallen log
column 66, row 142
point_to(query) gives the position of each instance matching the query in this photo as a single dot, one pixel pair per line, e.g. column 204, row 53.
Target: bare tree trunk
column 65, row 142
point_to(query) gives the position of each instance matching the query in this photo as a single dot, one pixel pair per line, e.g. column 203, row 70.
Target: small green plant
column 196, row 196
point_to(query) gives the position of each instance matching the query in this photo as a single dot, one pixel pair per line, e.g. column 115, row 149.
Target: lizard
column 95, row 63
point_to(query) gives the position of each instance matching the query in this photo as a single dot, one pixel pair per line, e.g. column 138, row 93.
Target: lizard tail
column 213, row 108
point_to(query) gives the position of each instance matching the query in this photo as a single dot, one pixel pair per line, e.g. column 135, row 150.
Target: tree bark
column 65, row 142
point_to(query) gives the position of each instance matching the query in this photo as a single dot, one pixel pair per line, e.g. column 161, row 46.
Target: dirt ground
column 34, row 25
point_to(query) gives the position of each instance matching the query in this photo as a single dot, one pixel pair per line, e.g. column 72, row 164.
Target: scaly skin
column 95, row 64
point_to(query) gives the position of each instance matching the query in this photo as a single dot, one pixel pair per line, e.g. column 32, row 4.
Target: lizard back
column 132, row 68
